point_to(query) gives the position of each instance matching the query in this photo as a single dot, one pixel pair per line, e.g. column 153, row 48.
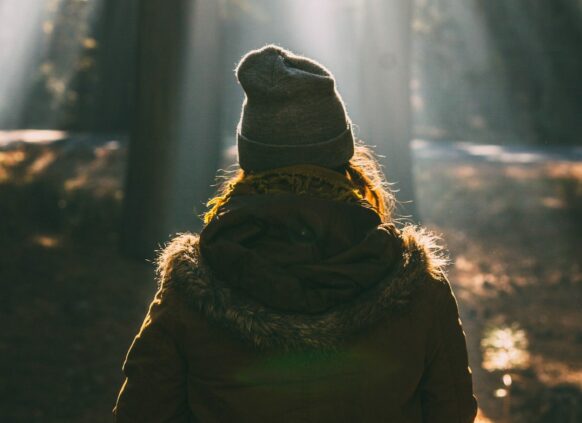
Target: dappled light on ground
column 46, row 241
column 511, row 218
column 505, row 348
column 70, row 302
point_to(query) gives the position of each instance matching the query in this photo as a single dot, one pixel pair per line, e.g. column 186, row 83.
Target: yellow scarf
column 308, row 180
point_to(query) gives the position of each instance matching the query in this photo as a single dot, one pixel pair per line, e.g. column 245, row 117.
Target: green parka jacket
column 297, row 309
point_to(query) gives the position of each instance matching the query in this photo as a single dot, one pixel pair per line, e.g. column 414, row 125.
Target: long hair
column 363, row 173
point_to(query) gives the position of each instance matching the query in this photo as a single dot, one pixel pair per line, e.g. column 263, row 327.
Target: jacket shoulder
column 424, row 248
column 178, row 261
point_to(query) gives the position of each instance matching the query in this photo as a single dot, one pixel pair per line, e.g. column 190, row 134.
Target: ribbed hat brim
column 258, row 156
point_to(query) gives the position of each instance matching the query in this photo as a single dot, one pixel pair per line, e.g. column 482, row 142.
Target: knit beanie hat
column 292, row 113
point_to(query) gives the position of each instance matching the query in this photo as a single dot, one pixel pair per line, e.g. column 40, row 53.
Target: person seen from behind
column 301, row 300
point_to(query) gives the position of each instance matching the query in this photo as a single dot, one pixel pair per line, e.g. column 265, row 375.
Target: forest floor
column 71, row 304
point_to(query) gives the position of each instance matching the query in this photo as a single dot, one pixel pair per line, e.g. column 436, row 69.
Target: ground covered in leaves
column 71, row 303
column 512, row 219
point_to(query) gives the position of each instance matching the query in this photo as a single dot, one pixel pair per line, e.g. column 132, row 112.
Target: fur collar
column 181, row 265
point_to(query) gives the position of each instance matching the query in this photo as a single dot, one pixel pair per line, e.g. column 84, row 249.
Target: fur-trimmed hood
column 180, row 264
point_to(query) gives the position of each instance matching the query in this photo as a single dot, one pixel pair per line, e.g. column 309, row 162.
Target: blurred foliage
column 67, row 65
column 83, row 76
column 484, row 70
column 498, row 71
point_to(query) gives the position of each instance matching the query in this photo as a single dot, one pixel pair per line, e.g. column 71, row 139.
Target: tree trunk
column 175, row 142
column 115, row 31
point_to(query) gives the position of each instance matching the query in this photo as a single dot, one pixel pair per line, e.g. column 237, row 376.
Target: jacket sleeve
column 446, row 387
column 155, row 387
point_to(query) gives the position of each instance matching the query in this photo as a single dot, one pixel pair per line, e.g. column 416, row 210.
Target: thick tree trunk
column 175, row 140
column 115, row 32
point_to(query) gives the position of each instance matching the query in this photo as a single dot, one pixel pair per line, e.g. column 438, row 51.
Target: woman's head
column 295, row 136
column 292, row 113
